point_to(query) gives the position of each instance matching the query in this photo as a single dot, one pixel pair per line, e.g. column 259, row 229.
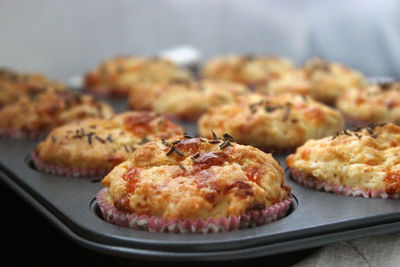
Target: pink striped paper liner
column 316, row 184
column 211, row 225
column 20, row 134
column 66, row 171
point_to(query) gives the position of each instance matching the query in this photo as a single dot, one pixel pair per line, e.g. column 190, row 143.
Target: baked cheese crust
column 14, row 85
column 329, row 79
column 368, row 158
column 185, row 100
column 49, row 110
column 187, row 177
column 118, row 75
column 293, row 81
column 100, row 143
column 251, row 70
column 376, row 103
column 273, row 122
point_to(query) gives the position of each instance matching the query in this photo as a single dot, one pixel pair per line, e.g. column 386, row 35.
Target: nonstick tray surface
column 315, row 218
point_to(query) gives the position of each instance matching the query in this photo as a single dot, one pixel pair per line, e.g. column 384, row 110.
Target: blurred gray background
column 66, row 38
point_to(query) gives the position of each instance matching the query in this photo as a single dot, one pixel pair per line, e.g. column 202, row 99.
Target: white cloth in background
column 68, row 37
column 372, row 251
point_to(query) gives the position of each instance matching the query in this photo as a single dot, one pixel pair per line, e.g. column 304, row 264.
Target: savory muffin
column 375, row 103
column 293, row 81
column 15, row 85
column 35, row 117
column 94, row 146
column 251, row 70
column 185, row 100
column 278, row 123
column 191, row 184
column 329, row 79
column 116, row 76
column 361, row 162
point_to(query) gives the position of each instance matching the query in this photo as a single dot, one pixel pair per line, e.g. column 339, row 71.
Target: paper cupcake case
column 19, row 134
column 313, row 183
column 211, row 225
column 65, row 171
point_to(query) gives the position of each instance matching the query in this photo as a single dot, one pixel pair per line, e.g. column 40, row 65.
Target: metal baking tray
column 315, row 218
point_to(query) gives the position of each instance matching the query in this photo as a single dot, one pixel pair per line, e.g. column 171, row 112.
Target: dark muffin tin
column 315, row 218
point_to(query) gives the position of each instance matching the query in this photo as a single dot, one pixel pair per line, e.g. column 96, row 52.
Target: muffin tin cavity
column 314, row 218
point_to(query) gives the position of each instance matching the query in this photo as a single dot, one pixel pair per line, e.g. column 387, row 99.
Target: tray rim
column 222, row 255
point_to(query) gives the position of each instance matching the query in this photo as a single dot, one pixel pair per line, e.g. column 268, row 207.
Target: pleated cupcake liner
column 316, row 184
column 187, row 226
column 19, row 134
column 66, row 171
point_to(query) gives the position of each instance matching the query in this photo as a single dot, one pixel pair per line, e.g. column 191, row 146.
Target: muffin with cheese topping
column 252, row 70
column 292, row 81
column 14, row 85
column 94, row 146
column 377, row 103
column 278, row 123
column 360, row 162
column 185, row 100
column 118, row 75
column 195, row 185
column 35, row 117
column 329, row 79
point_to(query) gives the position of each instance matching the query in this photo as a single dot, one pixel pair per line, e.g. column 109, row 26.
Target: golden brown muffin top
column 293, row 81
column 15, row 85
column 187, row 177
column 330, row 79
column 251, row 70
column 101, row 143
column 185, row 99
column 376, row 103
column 367, row 158
column 118, row 75
column 273, row 121
column 51, row 109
